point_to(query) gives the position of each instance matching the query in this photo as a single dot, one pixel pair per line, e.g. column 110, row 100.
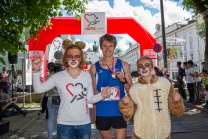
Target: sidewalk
column 33, row 126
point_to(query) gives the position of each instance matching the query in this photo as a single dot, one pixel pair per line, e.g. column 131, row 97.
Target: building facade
column 131, row 56
column 193, row 47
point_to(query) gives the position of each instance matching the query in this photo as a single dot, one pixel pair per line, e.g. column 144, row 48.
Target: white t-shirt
column 189, row 79
column 196, row 79
column 75, row 95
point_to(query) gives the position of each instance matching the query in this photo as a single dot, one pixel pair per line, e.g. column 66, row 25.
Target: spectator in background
column 19, row 82
column 197, row 82
column 7, row 103
column 180, row 83
column 5, row 81
column 205, row 93
column 202, row 66
column 158, row 72
column 44, row 105
column 190, row 81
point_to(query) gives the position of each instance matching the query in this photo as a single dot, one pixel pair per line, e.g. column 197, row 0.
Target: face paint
column 144, row 71
column 73, row 63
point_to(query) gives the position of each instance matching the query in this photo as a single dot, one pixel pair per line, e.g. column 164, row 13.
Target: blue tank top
column 109, row 107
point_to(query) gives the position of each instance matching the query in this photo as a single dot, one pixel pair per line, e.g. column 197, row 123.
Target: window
column 192, row 56
column 184, row 46
column 185, row 58
column 191, row 46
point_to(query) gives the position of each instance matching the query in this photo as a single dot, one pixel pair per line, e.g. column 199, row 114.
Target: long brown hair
column 78, row 45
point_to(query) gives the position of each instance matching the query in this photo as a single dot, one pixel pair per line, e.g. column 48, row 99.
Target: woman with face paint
column 75, row 90
column 150, row 102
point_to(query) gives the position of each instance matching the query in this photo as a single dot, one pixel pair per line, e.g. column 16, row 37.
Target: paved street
column 192, row 125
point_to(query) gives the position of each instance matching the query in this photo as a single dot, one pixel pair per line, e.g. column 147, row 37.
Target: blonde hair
column 145, row 58
column 68, row 44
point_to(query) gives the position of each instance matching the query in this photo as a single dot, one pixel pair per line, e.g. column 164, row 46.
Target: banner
column 173, row 53
column 93, row 24
column 27, row 72
column 150, row 53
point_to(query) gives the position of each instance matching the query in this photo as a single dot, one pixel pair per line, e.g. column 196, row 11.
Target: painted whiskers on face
column 73, row 63
column 143, row 69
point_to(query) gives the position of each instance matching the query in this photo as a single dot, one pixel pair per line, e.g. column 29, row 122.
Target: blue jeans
column 52, row 114
column 10, row 113
column 76, row 131
column 6, row 90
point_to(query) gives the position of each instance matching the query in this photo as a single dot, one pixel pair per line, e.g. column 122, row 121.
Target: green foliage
column 201, row 30
column 16, row 15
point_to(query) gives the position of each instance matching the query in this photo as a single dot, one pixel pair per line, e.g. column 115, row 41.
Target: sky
column 146, row 12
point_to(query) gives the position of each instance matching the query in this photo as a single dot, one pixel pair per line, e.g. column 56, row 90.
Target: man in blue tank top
column 114, row 74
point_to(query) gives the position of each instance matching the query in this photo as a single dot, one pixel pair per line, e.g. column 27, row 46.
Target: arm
column 127, row 76
column 93, row 76
column 6, row 98
column 42, row 87
column 91, row 97
column 176, row 107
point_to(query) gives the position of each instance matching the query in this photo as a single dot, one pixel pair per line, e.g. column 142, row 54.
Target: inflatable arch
column 67, row 25
column 115, row 25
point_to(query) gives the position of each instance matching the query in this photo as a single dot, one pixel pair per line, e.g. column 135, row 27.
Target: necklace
column 112, row 70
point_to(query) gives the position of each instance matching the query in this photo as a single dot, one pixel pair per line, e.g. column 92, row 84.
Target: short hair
column 204, row 71
column 168, row 75
column 51, row 66
column 109, row 38
column 64, row 57
column 145, row 58
column 179, row 63
column 4, row 68
column 156, row 68
column 190, row 62
column 202, row 63
column 185, row 63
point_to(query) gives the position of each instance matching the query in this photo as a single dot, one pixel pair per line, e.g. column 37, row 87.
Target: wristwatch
column 125, row 81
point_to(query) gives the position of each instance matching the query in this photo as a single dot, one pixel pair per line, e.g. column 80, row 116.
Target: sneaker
column 24, row 112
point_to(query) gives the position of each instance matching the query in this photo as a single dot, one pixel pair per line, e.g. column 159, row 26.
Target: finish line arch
column 115, row 25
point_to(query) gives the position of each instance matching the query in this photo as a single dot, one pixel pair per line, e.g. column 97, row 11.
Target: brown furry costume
column 150, row 105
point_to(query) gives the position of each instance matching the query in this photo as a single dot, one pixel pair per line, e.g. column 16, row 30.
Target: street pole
column 163, row 35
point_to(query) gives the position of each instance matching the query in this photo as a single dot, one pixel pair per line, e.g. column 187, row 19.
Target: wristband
column 125, row 81
column 35, row 70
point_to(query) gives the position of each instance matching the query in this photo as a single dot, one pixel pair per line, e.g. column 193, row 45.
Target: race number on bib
column 115, row 93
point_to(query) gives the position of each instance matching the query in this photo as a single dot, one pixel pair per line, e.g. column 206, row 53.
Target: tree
column 200, row 27
column 200, row 7
column 18, row 15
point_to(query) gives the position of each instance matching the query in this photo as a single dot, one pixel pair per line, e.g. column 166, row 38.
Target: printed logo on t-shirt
column 78, row 87
column 115, row 94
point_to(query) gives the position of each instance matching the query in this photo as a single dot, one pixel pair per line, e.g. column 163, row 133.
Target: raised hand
column 120, row 76
column 106, row 92
column 176, row 97
column 36, row 64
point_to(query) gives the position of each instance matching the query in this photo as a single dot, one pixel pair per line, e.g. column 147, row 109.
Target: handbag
column 56, row 100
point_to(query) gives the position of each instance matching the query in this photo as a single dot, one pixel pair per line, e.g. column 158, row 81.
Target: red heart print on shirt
column 67, row 88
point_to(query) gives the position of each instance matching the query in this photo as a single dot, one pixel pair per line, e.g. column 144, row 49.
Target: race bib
column 115, row 94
